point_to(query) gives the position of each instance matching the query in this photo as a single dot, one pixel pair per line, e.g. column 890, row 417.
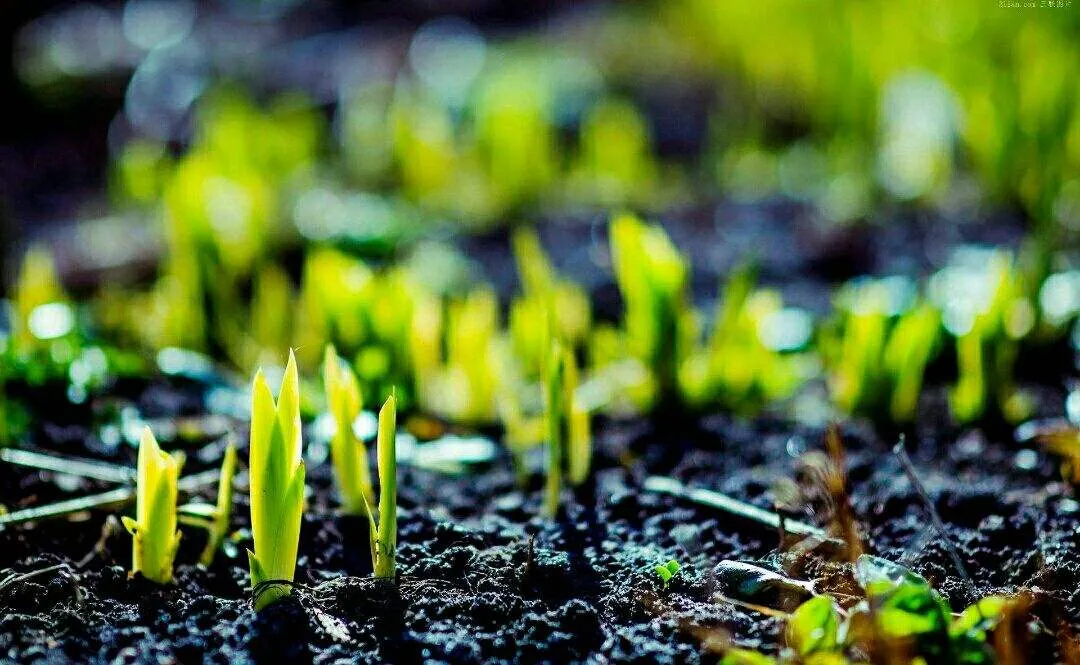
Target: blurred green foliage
column 879, row 348
column 919, row 94
column 844, row 106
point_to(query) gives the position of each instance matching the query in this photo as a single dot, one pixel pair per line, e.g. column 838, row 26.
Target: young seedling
column 154, row 528
column 277, row 486
column 569, row 441
column 461, row 386
column 549, row 305
column 878, row 362
column 667, row 571
column 814, row 627
column 38, row 285
column 579, row 429
column 753, row 355
column 989, row 323
column 347, row 451
column 214, row 519
column 555, row 401
column 653, row 278
column 384, row 533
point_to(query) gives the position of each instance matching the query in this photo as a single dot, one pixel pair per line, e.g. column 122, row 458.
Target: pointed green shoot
column 154, row 527
column 555, row 403
column 219, row 524
column 38, row 284
column 576, row 424
column 653, row 279
column 348, row 453
column 967, row 399
column 384, row 534
column 534, row 268
column 911, row 346
column 277, row 485
column 569, row 439
column 215, row 520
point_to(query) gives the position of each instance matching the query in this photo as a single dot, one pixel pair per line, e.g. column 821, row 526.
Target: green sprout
column 901, row 613
column 579, row 430
column 462, row 386
column 366, row 314
column 555, row 401
column 214, row 519
column 744, row 364
column 38, row 285
column 348, row 453
column 154, row 529
column 667, row 571
column 905, row 608
column 277, row 485
column 879, row 359
column 383, row 535
column 989, row 320
column 549, row 305
column 569, row 440
column 515, row 131
column 737, row 656
column 653, row 278
column 271, row 294
column 616, row 164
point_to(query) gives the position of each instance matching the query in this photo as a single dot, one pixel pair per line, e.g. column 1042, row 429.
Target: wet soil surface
column 483, row 579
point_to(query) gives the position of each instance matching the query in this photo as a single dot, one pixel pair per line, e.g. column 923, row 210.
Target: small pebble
column 1026, row 460
column 971, row 445
column 796, row 446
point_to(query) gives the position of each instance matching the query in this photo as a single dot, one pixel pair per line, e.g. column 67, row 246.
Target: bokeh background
column 218, row 176
column 485, row 113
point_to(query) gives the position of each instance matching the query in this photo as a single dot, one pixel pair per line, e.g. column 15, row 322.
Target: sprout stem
column 384, row 535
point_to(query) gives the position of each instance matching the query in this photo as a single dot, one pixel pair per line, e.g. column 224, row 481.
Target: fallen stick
column 116, row 497
column 935, row 520
column 665, row 485
column 110, row 473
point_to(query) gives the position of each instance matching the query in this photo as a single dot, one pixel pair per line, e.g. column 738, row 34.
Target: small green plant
column 901, row 615
column 214, row 519
column 880, row 355
column 383, row 534
column 555, row 401
column 365, row 313
column 462, row 385
column 616, row 164
column 38, row 285
column 569, row 442
column 277, row 485
column 988, row 309
column 347, row 451
column 905, row 609
column 549, row 304
column 154, row 529
column 667, row 571
column 653, row 278
column 755, row 352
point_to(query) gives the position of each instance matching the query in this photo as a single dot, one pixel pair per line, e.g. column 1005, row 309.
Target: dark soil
column 482, row 579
